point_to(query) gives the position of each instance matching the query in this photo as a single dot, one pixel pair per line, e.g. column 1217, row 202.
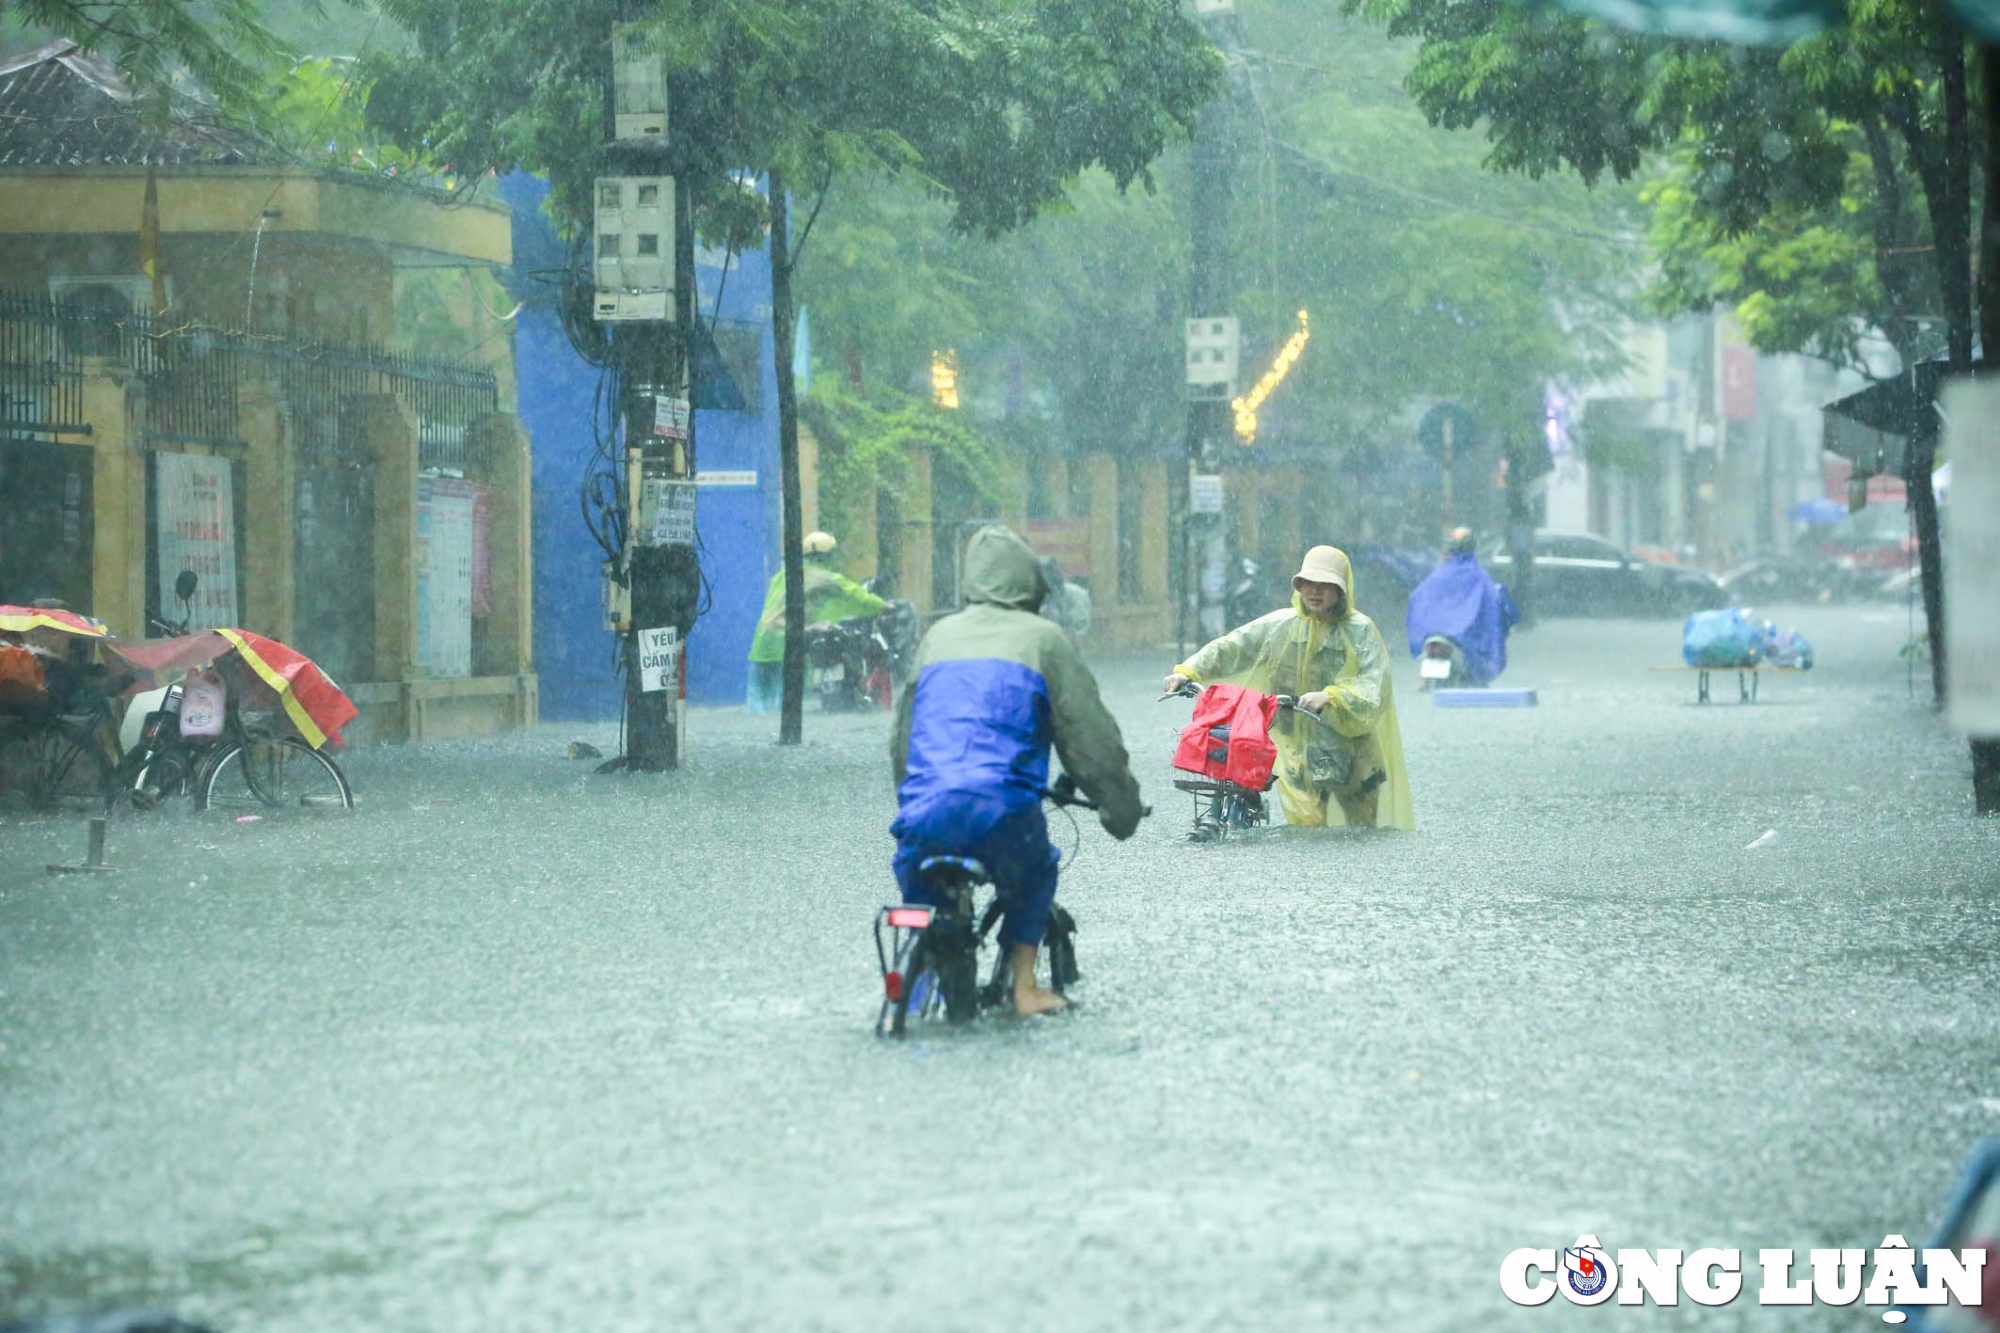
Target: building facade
column 195, row 372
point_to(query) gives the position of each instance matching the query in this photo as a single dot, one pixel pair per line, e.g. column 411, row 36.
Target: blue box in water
column 1484, row 698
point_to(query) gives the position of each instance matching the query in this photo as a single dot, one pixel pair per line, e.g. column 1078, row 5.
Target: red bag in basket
column 1230, row 737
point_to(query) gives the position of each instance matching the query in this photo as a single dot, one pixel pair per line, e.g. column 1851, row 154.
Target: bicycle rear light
column 909, row 918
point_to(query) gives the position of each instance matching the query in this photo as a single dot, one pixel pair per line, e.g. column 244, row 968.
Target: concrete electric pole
column 1211, row 336
column 643, row 268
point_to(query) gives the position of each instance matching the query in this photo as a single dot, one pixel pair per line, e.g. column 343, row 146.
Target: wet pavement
column 516, row 1047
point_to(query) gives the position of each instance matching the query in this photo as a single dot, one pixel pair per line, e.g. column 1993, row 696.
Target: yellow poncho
column 1288, row 652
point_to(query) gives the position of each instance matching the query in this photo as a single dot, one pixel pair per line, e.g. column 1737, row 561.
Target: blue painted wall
column 738, row 525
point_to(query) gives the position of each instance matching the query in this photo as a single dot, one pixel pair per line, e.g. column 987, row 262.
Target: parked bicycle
column 201, row 743
column 930, row 957
column 58, row 738
column 63, row 750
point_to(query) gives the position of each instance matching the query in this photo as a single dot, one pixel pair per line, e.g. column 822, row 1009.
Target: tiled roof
column 60, row 106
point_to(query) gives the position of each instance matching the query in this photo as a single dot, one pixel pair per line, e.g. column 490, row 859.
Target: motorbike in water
column 1254, row 592
column 929, row 956
column 848, row 665
column 855, row 665
column 1442, row 665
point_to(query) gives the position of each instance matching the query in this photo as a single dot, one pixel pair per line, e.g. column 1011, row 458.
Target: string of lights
column 1246, row 406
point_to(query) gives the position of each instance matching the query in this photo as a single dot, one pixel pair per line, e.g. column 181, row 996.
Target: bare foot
column 1029, row 997
column 1036, row 1000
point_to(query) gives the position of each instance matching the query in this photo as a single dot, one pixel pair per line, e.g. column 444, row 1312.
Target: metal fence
column 194, row 377
column 41, row 371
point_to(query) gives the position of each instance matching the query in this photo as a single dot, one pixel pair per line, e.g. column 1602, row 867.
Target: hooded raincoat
column 994, row 686
column 1323, row 765
column 830, row 597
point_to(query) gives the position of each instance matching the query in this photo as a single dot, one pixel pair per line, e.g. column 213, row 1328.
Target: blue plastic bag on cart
column 1726, row 638
column 1790, row 649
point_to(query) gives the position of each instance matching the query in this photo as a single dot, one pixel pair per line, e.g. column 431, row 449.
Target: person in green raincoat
column 1344, row 767
column 830, row 597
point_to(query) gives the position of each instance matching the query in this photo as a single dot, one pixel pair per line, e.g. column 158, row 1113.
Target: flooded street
column 516, row 1047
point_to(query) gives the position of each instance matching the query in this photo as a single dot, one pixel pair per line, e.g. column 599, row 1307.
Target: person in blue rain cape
column 1462, row 602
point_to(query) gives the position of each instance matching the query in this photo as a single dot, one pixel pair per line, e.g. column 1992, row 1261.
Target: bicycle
column 225, row 762
column 63, row 749
column 1223, row 808
column 930, row 965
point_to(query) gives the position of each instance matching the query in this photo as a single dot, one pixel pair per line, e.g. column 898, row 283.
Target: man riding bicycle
column 994, row 685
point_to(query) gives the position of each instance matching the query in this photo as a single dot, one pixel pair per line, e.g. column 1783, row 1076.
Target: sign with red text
column 194, row 518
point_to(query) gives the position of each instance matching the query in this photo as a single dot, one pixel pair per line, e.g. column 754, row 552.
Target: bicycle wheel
column 69, row 765
column 958, row 978
column 271, row 773
column 920, row 989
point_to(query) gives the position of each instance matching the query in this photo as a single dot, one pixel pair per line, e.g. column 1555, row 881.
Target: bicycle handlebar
column 1190, row 690
column 1064, row 794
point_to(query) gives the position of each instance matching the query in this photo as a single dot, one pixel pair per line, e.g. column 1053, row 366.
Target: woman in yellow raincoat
column 1346, row 766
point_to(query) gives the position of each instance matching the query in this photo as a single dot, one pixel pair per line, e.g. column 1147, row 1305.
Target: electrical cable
column 1076, row 848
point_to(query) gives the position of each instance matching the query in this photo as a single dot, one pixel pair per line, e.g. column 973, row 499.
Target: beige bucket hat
column 1322, row 565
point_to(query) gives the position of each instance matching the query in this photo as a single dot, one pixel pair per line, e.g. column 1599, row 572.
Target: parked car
column 1581, row 574
column 1803, row 577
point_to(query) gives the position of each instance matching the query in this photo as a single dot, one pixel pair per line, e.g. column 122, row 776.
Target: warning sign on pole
column 659, row 656
column 670, row 416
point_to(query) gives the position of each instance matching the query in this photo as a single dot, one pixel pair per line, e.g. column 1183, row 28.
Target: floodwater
column 517, row 1047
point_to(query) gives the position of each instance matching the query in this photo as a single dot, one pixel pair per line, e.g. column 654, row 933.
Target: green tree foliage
column 1806, row 184
column 997, row 104
column 1425, row 276
column 868, row 438
column 1810, row 275
column 225, row 46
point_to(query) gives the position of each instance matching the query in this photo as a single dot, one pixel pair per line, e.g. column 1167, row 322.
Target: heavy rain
column 718, row 664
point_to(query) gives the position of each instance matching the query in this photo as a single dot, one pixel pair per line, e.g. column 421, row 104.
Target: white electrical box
column 1213, row 345
column 633, row 260
column 617, row 600
column 638, row 84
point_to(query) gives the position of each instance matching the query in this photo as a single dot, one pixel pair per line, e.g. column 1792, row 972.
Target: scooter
column 848, row 665
column 1442, row 665
column 1253, row 593
column 930, row 956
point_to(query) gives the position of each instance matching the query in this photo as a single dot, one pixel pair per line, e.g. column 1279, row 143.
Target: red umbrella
column 260, row 670
column 22, row 619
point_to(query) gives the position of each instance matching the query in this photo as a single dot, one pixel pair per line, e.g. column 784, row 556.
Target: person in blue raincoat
column 995, row 686
column 1462, row 602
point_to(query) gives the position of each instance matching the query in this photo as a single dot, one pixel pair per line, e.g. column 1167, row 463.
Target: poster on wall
column 194, row 520
column 444, row 577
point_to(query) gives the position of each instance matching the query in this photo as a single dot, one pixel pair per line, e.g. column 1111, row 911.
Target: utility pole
column 643, row 265
column 1209, row 289
column 791, row 721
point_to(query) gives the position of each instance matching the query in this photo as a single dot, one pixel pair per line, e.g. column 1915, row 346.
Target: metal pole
column 791, row 720
column 1209, row 287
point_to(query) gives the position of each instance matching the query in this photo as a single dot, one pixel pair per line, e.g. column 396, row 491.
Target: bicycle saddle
column 964, row 865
